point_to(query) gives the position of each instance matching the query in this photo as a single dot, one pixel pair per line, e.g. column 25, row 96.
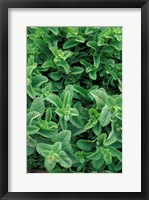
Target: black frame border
column 4, row 6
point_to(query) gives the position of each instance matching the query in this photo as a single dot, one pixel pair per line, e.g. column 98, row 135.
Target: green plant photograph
column 74, row 99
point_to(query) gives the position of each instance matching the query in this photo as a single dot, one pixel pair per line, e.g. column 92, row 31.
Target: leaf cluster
column 74, row 99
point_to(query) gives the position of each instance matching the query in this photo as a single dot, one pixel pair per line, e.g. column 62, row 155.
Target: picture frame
column 4, row 96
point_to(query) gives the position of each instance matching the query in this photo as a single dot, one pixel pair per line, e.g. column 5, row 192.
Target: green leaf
column 97, row 129
column 83, row 92
column 49, row 163
column 30, row 69
column 30, row 61
column 54, row 99
column 63, row 137
column 111, row 63
column 69, row 44
column 97, row 164
column 117, row 45
column 107, row 156
column 79, row 38
column 92, row 44
column 38, row 80
column 47, row 134
column 106, row 33
column 30, row 150
column 90, row 124
column 93, row 75
column 117, row 129
column 42, row 46
column 47, row 126
column 105, row 116
column 31, row 142
column 85, row 63
column 107, row 49
column 63, row 123
column 74, row 112
column 56, row 76
column 43, row 149
column 115, row 153
column 67, row 54
column 68, row 95
column 32, row 129
column 65, row 66
column 110, row 140
column 96, row 57
column 118, row 167
column 59, row 112
column 54, row 30
column 89, row 30
column 54, row 50
column 57, row 147
column 31, row 116
column 110, row 101
column 100, row 96
column 101, row 42
column 38, row 105
column 76, row 121
column 101, row 138
column 80, row 156
column 64, row 160
column 117, row 145
column 48, row 115
column 85, row 145
column 30, row 91
column 77, row 70
column 46, row 65
column 95, row 156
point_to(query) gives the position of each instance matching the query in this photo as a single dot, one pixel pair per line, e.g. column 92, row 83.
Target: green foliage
column 74, row 99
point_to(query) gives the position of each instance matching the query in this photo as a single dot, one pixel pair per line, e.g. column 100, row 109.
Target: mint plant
column 74, row 99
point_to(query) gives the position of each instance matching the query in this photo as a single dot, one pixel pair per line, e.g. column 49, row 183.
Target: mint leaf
column 38, row 105
column 64, row 160
column 54, row 99
column 105, row 116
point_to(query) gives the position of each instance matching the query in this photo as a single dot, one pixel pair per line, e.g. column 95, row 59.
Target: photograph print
column 74, row 99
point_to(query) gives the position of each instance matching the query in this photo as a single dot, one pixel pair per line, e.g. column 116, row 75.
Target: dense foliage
column 74, row 101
